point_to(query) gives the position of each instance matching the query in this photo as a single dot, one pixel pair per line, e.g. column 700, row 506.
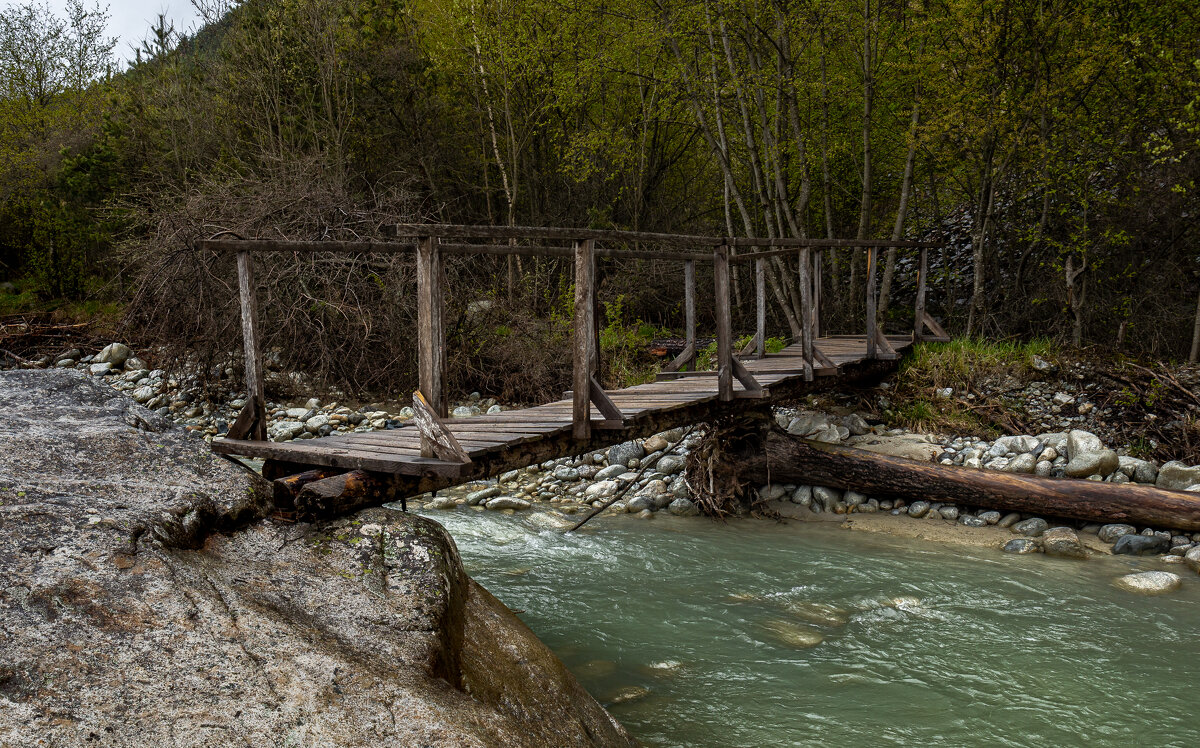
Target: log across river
column 769, row 454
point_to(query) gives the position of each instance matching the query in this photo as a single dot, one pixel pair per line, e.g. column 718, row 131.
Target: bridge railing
column 432, row 242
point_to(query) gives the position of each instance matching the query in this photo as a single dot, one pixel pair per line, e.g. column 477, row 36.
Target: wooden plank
column 436, row 439
column 279, row 245
column 350, row 459
column 822, row 358
column 686, row 358
column 544, row 251
column 583, row 339
column 748, row 381
column 724, row 324
column 689, row 309
column 822, row 243
column 255, row 425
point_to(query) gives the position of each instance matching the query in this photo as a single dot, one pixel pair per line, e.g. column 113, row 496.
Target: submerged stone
column 1141, row 545
column 1021, row 546
column 794, row 634
column 1150, row 582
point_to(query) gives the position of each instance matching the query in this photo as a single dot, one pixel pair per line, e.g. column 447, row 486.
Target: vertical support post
column 255, row 395
column 816, row 303
column 431, row 332
column 760, row 301
column 871, row 321
column 806, row 311
column 689, row 310
column 919, row 311
column 583, row 339
column 724, row 324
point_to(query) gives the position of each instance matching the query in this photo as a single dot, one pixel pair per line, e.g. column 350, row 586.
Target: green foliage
column 961, row 362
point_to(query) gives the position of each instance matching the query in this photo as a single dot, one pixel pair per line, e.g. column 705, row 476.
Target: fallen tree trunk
column 348, row 492
column 773, row 455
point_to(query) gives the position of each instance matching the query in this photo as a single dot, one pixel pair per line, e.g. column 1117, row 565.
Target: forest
column 1050, row 147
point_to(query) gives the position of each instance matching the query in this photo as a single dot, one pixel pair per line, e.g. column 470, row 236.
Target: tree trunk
column 1195, row 334
column 889, row 269
column 769, row 454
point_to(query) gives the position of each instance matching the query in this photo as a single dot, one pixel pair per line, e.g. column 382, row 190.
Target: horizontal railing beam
column 749, row 241
column 283, row 245
column 457, row 231
column 404, row 245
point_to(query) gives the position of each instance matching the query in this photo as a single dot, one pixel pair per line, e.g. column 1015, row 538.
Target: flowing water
column 700, row 634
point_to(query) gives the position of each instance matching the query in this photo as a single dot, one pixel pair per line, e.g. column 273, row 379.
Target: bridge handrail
column 426, row 240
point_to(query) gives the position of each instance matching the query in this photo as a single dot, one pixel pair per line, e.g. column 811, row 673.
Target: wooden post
column 431, row 334
column 583, row 339
column 816, row 303
column 760, row 301
column 919, row 311
column 871, row 321
column 255, row 397
column 806, row 312
column 724, row 324
column 689, row 310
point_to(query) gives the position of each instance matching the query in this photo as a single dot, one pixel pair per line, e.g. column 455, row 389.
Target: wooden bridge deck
column 518, row 437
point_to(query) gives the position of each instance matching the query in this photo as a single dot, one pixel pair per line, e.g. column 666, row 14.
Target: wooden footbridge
column 435, row 451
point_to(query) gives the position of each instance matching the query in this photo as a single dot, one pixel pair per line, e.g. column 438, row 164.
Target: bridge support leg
column 431, row 333
column 872, row 322
column 689, row 310
column 584, row 343
column 724, row 323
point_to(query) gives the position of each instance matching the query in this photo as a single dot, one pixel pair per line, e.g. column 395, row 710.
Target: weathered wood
column 255, row 425
column 806, row 311
column 347, row 492
column 314, row 453
column 603, row 402
column 280, row 245
column 431, row 333
column 939, row 335
column 436, row 439
column 689, row 311
column 583, row 339
column 760, row 308
column 685, row 358
column 872, row 321
column 782, row 458
column 724, row 323
column 816, row 300
column 919, row 310
column 789, row 245
column 457, row 231
column 883, row 347
column 550, row 251
column 286, row 489
column 823, row 359
column 753, row 388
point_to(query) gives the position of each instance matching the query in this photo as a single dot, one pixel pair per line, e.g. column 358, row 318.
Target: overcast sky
column 130, row 20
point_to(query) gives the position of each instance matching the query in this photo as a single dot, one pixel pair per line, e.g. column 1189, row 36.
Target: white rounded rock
column 1150, row 582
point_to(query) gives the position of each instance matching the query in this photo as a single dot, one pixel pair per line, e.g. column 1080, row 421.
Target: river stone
column 1177, row 475
column 1021, row 546
column 656, row 443
column 669, row 464
column 113, row 353
column 853, row 498
column 1008, row 520
column 918, row 509
column 286, row 430
column 143, row 395
column 990, row 517
column 1101, row 462
column 683, row 508
column 1043, row 469
column 507, row 502
column 482, row 495
column 1192, row 559
column 601, row 489
column 611, row 472
column 970, row 521
column 856, row 425
column 100, row 369
column 803, row 495
column 948, row 512
column 793, row 634
column 564, row 473
column 640, row 502
column 772, row 492
column 1109, row 533
column 1063, row 543
column 1141, row 545
column 621, row 454
column 144, row 600
column 1022, row 463
column 314, row 424
column 443, row 502
column 827, row 498
column 1150, row 582
column 1032, row 527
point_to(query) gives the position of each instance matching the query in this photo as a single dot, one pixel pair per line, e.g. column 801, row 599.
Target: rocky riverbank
column 147, row 598
column 644, row 477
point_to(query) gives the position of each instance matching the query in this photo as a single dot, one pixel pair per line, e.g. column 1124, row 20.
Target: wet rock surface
column 145, row 601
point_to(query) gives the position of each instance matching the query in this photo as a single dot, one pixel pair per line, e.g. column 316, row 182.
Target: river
column 708, row 629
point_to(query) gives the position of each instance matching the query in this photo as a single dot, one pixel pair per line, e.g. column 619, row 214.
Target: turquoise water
column 708, row 630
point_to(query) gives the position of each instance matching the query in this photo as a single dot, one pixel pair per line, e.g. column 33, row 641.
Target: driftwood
column 286, row 489
column 772, row 455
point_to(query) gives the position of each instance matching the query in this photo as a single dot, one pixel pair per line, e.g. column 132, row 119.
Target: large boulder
column 1086, row 456
column 144, row 599
column 1062, row 542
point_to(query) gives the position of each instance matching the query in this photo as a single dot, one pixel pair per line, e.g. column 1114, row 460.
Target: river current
column 751, row 633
